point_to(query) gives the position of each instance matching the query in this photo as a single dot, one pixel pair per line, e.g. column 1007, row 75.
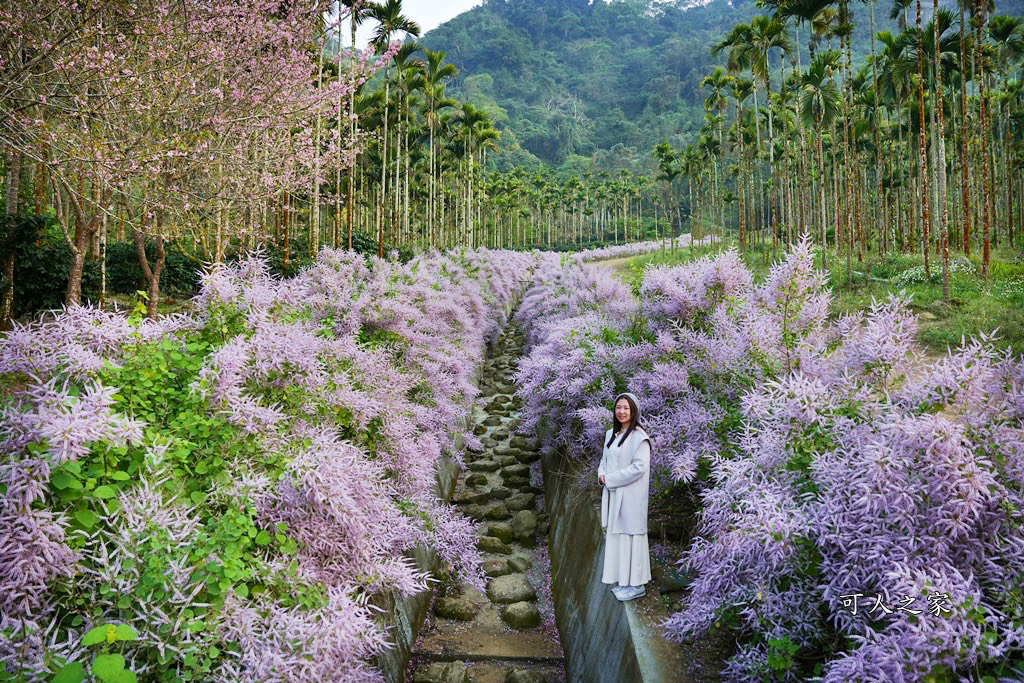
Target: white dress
column 627, row 558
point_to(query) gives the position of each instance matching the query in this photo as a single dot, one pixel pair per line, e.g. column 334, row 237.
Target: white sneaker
column 631, row 593
column 617, row 591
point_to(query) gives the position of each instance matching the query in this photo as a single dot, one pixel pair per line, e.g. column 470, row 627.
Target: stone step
column 497, row 672
column 488, row 672
column 487, row 645
column 496, row 641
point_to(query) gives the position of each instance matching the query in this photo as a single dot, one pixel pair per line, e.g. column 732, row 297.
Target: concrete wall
column 404, row 617
column 594, row 627
column 603, row 639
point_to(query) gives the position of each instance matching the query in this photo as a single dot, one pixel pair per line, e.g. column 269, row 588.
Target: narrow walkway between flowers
column 508, row 634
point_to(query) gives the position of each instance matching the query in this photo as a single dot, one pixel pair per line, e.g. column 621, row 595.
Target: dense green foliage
column 42, row 266
column 565, row 79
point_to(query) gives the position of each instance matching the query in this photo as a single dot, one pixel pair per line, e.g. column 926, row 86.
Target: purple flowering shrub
column 853, row 479
column 579, row 322
column 562, row 288
column 235, row 487
column 834, row 461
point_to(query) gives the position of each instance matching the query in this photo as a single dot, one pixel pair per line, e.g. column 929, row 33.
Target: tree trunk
column 103, row 262
column 84, row 229
column 741, row 186
column 965, row 158
column 876, row 130
column 925, row 215
column 7, row 304
column 940, row 141
column 73, row 293
column 151, row 274
column 821, row 195
column 314, row 214
column 13, row 187
column 352, row 122
column 983, row 127
column 383, row 167
column 287, row 220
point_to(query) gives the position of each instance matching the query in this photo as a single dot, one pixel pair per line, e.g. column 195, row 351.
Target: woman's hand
column 601, row 479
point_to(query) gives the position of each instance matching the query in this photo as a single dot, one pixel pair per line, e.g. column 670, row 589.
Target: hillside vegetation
column 566, row 79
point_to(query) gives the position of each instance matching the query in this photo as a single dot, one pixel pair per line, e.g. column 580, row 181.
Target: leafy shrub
column 41, row 274
column 42, row 270
column 235, row 485
column 43, row 266
column 916, row 275
column 180, row 275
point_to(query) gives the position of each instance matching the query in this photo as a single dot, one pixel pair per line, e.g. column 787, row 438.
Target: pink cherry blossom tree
column 183, row 118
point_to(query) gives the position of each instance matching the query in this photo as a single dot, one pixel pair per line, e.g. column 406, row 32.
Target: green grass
column 11, row 383
column 975, row 306
column 166, row 304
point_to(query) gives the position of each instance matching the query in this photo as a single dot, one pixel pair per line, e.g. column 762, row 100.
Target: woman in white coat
column 625, row 475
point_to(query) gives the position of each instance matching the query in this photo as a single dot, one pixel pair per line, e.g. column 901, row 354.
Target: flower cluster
column 915, row 275
column 831, row 458
column 573, row 316
column 243, row 480
column 80, row 341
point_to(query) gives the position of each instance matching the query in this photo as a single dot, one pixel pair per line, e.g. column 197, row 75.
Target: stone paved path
column 506, row 635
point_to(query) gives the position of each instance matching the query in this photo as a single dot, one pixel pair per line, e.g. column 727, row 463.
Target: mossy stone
column 490, row 544
column 457, row 609
column 521, row 615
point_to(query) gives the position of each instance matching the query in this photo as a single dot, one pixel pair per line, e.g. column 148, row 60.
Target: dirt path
column 620, row 265
column 508, row 634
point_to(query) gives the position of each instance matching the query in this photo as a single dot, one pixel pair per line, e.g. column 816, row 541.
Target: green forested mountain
column 566, row 79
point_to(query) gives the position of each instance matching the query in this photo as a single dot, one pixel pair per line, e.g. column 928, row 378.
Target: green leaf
column 197, row 497
column 120, row 475
column 63, row 480
column 263, row 538
column 242, row 590
column 95, row 635
column 72, row 672
column 105, row 491
column 107, row 667
column 125, row 632
column 86, row 518
column 123, row 676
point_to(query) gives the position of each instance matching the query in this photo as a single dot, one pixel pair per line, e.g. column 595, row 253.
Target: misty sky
column 426, row 13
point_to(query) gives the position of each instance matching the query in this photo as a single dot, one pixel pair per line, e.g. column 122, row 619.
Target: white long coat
column 627, row 473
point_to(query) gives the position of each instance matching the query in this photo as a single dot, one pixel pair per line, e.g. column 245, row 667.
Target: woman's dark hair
column 634, row 421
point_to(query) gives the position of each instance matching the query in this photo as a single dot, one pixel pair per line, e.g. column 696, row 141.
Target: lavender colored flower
column 838, row 458
column 349, row 381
